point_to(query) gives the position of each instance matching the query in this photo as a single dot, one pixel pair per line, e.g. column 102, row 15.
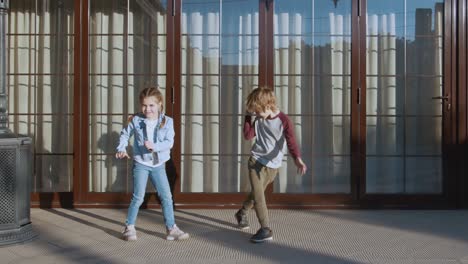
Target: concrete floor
column 300, row 236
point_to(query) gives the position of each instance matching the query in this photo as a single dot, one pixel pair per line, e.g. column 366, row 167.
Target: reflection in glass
column 313, row 16
column 219, row 53
column 423, row 175
column 385, row 135
column 419, row 94
column 404, row 69
column 423, row 136
column 390, row 170
column 53, row 173
column 239, row 17
column 152, row 49
column 240, row 54
column 312, row 74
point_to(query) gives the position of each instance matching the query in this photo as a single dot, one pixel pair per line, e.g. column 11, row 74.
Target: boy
column 273, row 131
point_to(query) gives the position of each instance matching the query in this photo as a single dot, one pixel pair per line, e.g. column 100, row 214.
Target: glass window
column 127, row 52
column 312, row 76
column 40, row 86
column 404, row 73
column 219, row 50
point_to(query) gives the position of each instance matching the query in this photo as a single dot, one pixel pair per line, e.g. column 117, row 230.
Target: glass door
column 41, row 41
column 399, row 105
column 312, row 81
column 127, row 51
column 219, row 67
column 364, row 83
column 407, row 102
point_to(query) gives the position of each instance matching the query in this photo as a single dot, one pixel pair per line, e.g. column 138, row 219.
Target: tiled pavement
column 300, row 236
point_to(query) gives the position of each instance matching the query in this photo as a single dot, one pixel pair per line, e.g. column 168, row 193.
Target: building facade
column 376, row 90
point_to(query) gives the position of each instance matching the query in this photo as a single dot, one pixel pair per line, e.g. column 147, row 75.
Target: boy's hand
column 149, row 145
column 121, row 155
column 301, row 167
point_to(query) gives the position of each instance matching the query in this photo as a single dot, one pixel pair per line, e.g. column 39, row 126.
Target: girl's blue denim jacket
column 163, row 138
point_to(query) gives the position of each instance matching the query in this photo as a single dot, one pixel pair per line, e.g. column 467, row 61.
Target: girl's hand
column 301, row 167
column 149, row 145
column 121, row 155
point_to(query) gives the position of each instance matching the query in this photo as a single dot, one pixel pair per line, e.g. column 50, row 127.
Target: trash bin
column 15, row 163
column 15, row 190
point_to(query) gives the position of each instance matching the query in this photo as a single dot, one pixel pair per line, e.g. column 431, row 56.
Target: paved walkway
column 300, row 236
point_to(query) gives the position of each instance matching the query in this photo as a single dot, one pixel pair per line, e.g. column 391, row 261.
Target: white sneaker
column 176, row 234
column 129, row 234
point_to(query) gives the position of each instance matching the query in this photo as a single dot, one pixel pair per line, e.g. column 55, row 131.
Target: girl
column 154, row 138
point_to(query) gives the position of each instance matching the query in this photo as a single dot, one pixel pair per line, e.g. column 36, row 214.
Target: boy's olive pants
column 260, row 176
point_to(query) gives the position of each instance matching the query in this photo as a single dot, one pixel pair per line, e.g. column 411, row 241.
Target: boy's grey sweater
column 272, row 134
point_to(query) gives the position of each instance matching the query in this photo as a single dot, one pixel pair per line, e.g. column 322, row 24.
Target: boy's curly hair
column 260, row 99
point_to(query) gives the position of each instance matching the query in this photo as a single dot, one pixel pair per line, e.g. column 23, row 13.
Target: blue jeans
column 159, row 180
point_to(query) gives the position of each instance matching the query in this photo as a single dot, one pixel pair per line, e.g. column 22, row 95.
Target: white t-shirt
column 150, row 127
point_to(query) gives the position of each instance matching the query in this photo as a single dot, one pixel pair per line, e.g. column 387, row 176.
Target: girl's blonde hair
column 154, row 91
column 260, row 99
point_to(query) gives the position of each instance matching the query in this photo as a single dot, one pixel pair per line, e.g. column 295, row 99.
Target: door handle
column 446, row 98
column 441, row 97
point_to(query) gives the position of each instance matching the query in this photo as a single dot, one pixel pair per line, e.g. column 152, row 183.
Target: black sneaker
column 262, row 235
column 242, row 221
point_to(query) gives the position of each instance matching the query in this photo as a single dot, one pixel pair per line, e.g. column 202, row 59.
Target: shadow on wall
column 49, row 183
column 107, row 143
